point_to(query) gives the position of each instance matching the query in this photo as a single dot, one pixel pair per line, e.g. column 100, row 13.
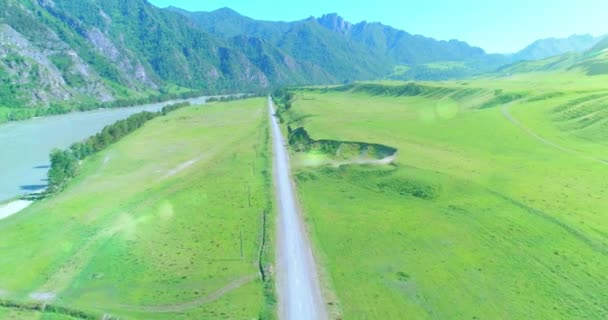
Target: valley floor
column 448, row 200
column 166, row 223
column 477, row 217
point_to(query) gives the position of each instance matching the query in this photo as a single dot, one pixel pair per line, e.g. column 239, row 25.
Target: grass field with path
column 476, row 218
column 166, row 223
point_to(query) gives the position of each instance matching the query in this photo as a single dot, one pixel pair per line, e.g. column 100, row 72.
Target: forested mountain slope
column 67, row 54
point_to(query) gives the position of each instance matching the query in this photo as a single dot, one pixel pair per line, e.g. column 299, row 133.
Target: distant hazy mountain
column 601, row 45
column 227, row 23
column 399, row 45
column 593, row 61
column 550, row 47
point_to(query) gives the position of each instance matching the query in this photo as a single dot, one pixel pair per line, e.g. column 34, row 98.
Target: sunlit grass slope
column 165, row 224
column 495, row 208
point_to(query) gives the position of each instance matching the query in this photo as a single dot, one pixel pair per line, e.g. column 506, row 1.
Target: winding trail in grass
column 61, row 279
column 505, row 109
column 298, row 283
column 178, row 307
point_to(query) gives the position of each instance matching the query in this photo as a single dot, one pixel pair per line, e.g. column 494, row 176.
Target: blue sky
column 495, row 25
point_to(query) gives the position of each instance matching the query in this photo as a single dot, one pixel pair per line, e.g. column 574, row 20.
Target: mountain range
column 550, row 47
column 61, row 51
column 593, row 61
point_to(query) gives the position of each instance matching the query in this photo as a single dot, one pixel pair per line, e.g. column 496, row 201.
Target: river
column 25, row 145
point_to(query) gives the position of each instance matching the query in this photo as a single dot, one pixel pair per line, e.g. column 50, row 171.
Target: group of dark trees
column 283, row 99
column 64, row 163
column 235, row 97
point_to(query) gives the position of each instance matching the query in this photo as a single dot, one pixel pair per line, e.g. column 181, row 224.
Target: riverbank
column 106, row 231
column 13, row 207
column 23, row 113
column 9, row 115
column 26, row 144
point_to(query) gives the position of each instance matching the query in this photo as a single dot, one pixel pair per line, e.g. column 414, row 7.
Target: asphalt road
column 298, row 283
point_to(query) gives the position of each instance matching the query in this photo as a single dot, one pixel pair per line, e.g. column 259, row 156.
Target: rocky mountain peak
column 335, row 23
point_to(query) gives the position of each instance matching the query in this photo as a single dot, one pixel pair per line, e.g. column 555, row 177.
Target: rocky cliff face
column 131, row 68
column 37, row 67
column 64, row 51
column 335, row 23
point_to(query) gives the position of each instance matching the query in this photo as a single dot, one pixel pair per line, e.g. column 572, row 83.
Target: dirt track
column 298, row 283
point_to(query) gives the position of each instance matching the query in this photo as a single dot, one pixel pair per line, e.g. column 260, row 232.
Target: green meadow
column 167, row 223
column 494, row 208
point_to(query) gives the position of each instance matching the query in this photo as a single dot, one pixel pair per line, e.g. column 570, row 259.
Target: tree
column 63, row 167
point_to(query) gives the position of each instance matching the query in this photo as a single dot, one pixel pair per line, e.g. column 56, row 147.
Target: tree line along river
column 25, row 145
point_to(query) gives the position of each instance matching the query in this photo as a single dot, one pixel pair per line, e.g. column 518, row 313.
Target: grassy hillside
column 166, row 223
column 493, row 208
